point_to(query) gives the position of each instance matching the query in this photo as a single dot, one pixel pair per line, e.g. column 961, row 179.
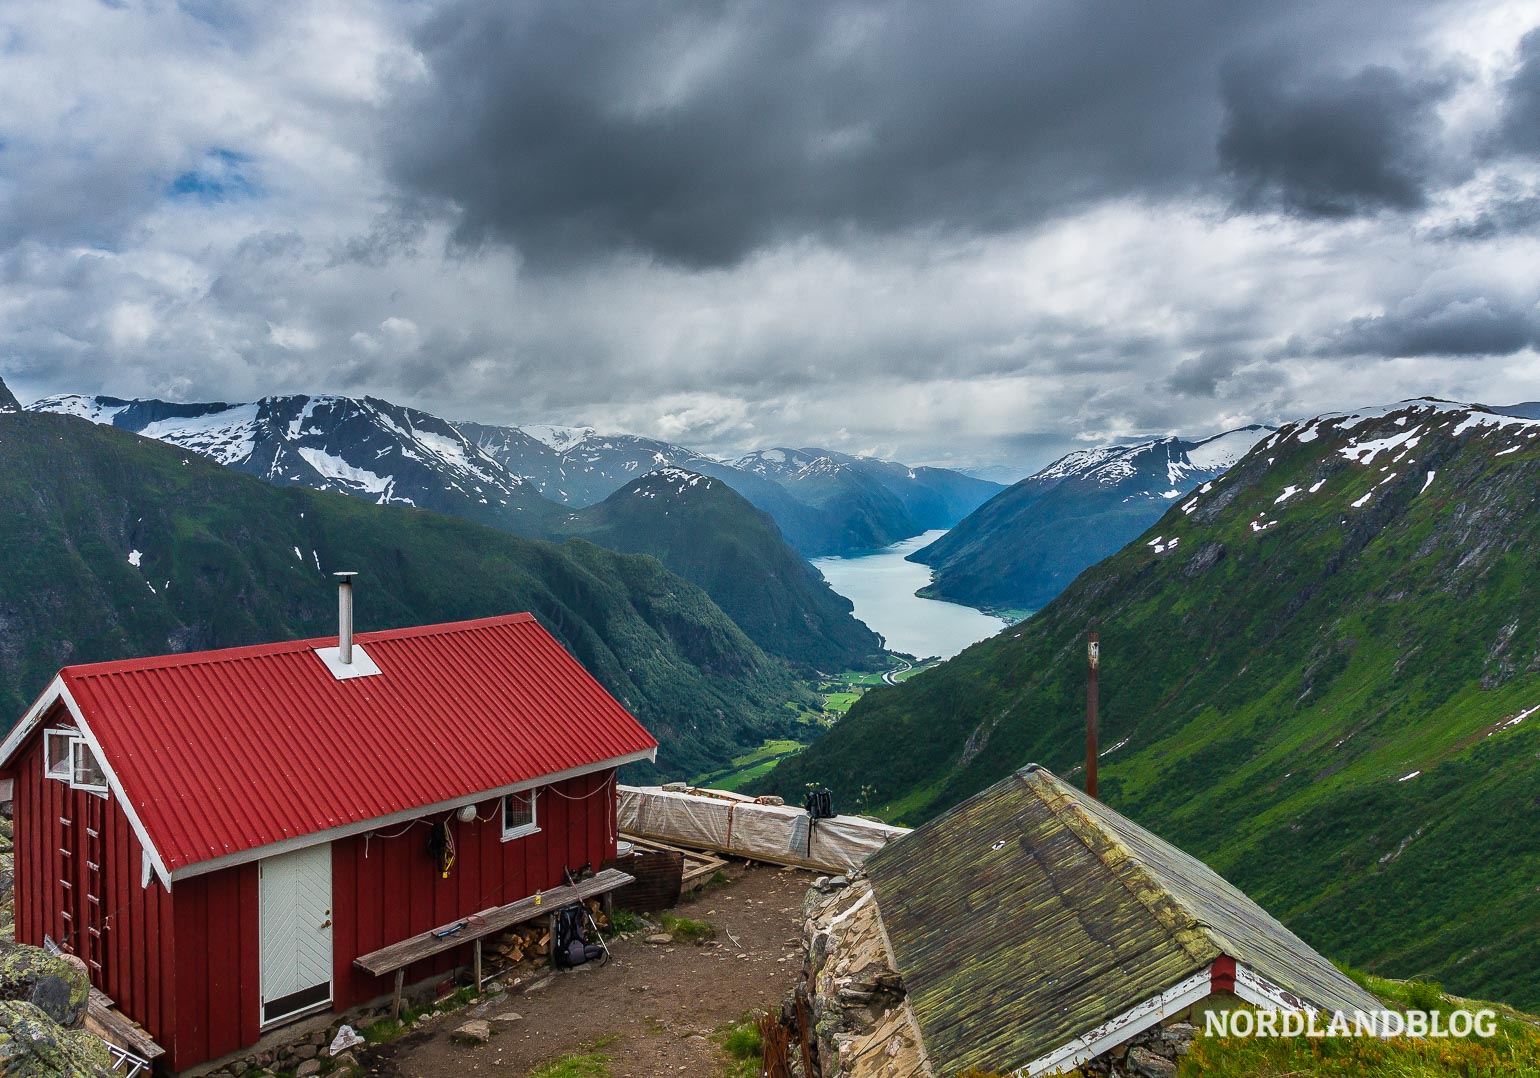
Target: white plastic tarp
column 775, row 833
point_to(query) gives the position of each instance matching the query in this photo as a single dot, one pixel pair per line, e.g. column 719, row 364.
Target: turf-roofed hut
column 1035, row 929
column 220, row 835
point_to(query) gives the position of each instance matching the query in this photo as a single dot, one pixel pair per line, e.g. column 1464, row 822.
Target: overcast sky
column 967, row 233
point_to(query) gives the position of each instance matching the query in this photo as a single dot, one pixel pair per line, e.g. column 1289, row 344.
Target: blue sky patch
column 222, row 176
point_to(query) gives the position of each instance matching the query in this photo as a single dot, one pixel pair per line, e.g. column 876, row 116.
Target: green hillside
column 710, row 535
column 225, row 559
column 1318, row 680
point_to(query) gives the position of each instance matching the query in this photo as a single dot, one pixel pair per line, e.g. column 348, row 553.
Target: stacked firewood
column 532, row 941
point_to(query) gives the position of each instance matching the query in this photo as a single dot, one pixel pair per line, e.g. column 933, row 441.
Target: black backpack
column 571, row 942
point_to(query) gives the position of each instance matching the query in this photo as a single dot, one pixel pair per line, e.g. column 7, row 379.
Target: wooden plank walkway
column 113, row 1026
column 473, row 929
column 699, row 866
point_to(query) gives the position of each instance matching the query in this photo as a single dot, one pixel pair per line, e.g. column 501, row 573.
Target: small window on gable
column 69, row 758
column 56, row 748
column 519, row 815
column 85, row 769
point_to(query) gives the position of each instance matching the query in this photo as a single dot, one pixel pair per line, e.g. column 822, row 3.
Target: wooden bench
column 473, row 929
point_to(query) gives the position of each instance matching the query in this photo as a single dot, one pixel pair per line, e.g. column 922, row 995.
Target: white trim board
column 1256, row 990
column 1115, row 1031
column 1249, row 987
column 56, row 693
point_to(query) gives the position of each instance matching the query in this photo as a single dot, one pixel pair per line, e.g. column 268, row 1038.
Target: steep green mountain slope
column 779, row 600
column 1026, row 544
column 8, row 401
column 116, row 546
column 394, row 455
column 1321, row 673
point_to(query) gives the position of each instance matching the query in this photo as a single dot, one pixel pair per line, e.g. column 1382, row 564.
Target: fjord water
column 882, row 586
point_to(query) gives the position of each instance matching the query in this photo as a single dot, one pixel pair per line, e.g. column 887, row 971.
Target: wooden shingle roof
column 1031, row 913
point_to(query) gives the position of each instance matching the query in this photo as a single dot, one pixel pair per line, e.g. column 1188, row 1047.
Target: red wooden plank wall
column 192, row 978
column 387, row 887
column 218, row 968
column 139, row 948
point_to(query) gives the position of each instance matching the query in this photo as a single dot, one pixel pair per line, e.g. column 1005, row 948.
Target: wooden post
column 395, row 1005
column 477, row 950
column 607, row 904
column 1094, row 662
column 550, row 922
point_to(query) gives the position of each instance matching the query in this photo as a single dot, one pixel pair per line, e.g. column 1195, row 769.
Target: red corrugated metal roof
column 224, row 751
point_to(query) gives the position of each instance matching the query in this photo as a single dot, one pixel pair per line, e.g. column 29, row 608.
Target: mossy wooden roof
column 1031, row 913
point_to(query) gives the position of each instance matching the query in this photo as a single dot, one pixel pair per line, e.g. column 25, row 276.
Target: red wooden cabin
column 218, row 835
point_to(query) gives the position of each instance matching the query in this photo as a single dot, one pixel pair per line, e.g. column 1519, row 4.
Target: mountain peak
column 8, row 401
column 558, row 437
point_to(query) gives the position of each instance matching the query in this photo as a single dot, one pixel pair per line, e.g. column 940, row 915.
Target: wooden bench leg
column 478, row 965
column 395, row 1005
column 607, row 904
column 551, row 929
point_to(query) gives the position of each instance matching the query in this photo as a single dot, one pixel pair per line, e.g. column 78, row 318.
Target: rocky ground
column 43, row 1001
column 7, row 878
column 655, row 1009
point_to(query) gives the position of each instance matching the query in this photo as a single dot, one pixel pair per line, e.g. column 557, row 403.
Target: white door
column 294, row 893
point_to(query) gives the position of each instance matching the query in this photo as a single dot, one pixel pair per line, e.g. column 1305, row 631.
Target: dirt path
column 653, row 1009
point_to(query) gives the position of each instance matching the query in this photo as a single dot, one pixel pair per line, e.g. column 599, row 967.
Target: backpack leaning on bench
column 571, row 942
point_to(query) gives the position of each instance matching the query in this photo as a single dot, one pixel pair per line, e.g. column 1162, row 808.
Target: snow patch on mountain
column 95, row 409
column 335, row 468
column 557, row 437
column 227, row 436
column 1224, row 451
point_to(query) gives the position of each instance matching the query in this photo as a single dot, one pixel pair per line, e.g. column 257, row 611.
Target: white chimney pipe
column 345, row 617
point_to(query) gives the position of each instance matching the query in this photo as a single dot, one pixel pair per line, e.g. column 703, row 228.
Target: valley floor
column 653, row 1010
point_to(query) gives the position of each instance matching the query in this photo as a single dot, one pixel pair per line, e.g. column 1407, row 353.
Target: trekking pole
column 592, row 923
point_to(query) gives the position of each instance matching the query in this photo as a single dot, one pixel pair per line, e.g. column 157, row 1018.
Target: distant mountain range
column 393, row 455
column 119, row 546
column 1024, row 546
column 1320, row 673
column 823, row 502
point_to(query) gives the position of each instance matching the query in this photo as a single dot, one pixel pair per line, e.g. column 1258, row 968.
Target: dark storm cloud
column 1502, row 217
column 1329, row 146
column 1520, row 129
column 1470, row 325
column 701, row 132
column 1201, row 375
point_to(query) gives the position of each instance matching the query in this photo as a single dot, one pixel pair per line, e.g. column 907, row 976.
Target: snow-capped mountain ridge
column 360, row 446
column 1024, row 546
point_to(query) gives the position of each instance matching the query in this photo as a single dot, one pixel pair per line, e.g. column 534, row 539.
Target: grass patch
column 685, row 930
column 741, row 1042
column 751, row 765
column 589, row 1065
column 622, row 921
column 382, row 1031
column 840, row 701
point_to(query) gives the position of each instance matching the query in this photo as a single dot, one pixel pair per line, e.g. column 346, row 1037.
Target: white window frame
column 524, row 829
column 82, row 753
column 60, row 771
column 75, row 744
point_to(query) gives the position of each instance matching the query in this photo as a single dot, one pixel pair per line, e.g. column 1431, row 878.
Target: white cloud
column 203, row 208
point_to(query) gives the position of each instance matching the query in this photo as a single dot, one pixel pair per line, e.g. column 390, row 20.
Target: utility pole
column 1094, row 662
